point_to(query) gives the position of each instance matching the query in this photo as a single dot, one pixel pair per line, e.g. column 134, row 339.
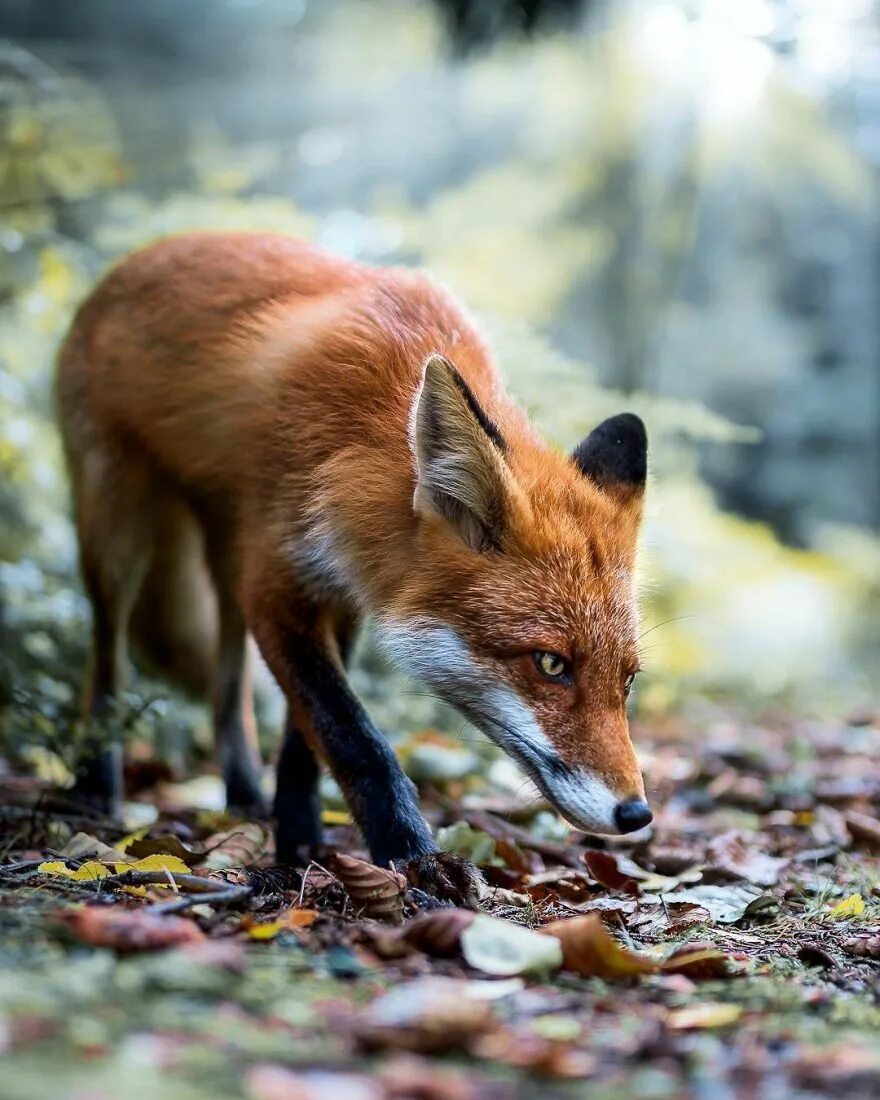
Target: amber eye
column 552, row 666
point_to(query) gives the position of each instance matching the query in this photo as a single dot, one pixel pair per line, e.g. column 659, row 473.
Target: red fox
column 327, row 441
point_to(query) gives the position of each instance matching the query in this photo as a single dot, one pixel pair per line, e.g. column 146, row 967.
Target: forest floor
column 731, row 950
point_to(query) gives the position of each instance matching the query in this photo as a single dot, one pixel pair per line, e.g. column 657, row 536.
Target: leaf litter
column 750, row 910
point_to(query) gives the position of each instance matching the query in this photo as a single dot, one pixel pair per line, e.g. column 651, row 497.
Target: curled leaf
column 238, row 847
column 86, row 846
column 438, row 933
column 700, row 960
column 589, row 949
column 603, row 866
column 378, row 891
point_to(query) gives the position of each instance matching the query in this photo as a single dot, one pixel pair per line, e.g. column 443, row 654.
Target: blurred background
column 664, row 206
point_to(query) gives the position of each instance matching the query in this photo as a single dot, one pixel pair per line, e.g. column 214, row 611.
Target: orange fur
column 268, row 387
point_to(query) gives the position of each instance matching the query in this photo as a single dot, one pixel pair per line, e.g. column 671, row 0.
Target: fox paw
column 446, row 878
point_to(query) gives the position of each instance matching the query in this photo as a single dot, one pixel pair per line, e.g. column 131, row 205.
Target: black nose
column 632, row 815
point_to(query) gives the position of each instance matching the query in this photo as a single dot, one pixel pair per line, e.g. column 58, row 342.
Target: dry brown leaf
column 864, row 829
column 168, row 845
column 544, row 1057
column 375, row 890
column 700, row 960
column 438, row 933
column 238, row 847
column 589, row 949
column 84, row 846
column 862, row 947
column 425, row 1015
column 128, row 929
column 604, row 869
column 733, row 857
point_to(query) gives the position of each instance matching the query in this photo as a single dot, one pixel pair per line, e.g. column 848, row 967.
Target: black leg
column 297, row 804
column 99, row 779
column 382, row 799
column 98, row 782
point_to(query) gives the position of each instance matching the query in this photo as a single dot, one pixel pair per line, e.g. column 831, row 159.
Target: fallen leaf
column 158, row 862
column 238, row 847
column 864, row 828
column 813, row 954
column 701, row 1016
column 438, row 933
column 862, row 947
column 851, row 906
column 88, row 872
column 700, row 961
column 544, row 1057
column 730, row 855
column 85, row 846
column 589, row 949
column 379, row 892
column 603, row 866
column 293, row 918
column 428, row 1014
column 725, row 904
column 168, row 845
column 504, row 949
column 128, row 929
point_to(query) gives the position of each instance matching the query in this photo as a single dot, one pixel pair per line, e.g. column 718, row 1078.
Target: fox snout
column 587, row 802
column 631, row 815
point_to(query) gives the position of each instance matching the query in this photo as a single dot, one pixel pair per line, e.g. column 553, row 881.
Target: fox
column 267, row 441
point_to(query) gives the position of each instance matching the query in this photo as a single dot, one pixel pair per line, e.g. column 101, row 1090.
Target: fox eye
column 552, row 666
column 628, row 684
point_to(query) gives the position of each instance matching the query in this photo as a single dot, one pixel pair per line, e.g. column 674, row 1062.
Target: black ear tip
column 631, row 428
column 616, row 451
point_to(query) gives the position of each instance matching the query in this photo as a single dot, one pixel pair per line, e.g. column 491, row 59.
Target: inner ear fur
column 459, row 451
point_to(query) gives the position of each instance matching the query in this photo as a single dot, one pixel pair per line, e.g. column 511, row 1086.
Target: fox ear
column 615, row 456
column 462, row 475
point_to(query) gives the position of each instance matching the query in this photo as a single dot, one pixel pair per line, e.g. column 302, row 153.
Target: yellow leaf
column 852, row 906
column 293, row 918
column 335, row 817
column 123, row 844
column 87, row 873
column 703, row 1016
column 158, row 862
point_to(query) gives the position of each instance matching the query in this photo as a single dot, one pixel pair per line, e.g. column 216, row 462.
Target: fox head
column 520, row 608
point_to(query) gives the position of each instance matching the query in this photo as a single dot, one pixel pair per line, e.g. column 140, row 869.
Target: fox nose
column 632, row 815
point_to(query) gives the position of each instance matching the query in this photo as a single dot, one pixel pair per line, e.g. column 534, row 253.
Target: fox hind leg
column 235, row 727
column 113, row 519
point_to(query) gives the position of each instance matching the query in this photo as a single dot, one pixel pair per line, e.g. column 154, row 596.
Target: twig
column 231, row 896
